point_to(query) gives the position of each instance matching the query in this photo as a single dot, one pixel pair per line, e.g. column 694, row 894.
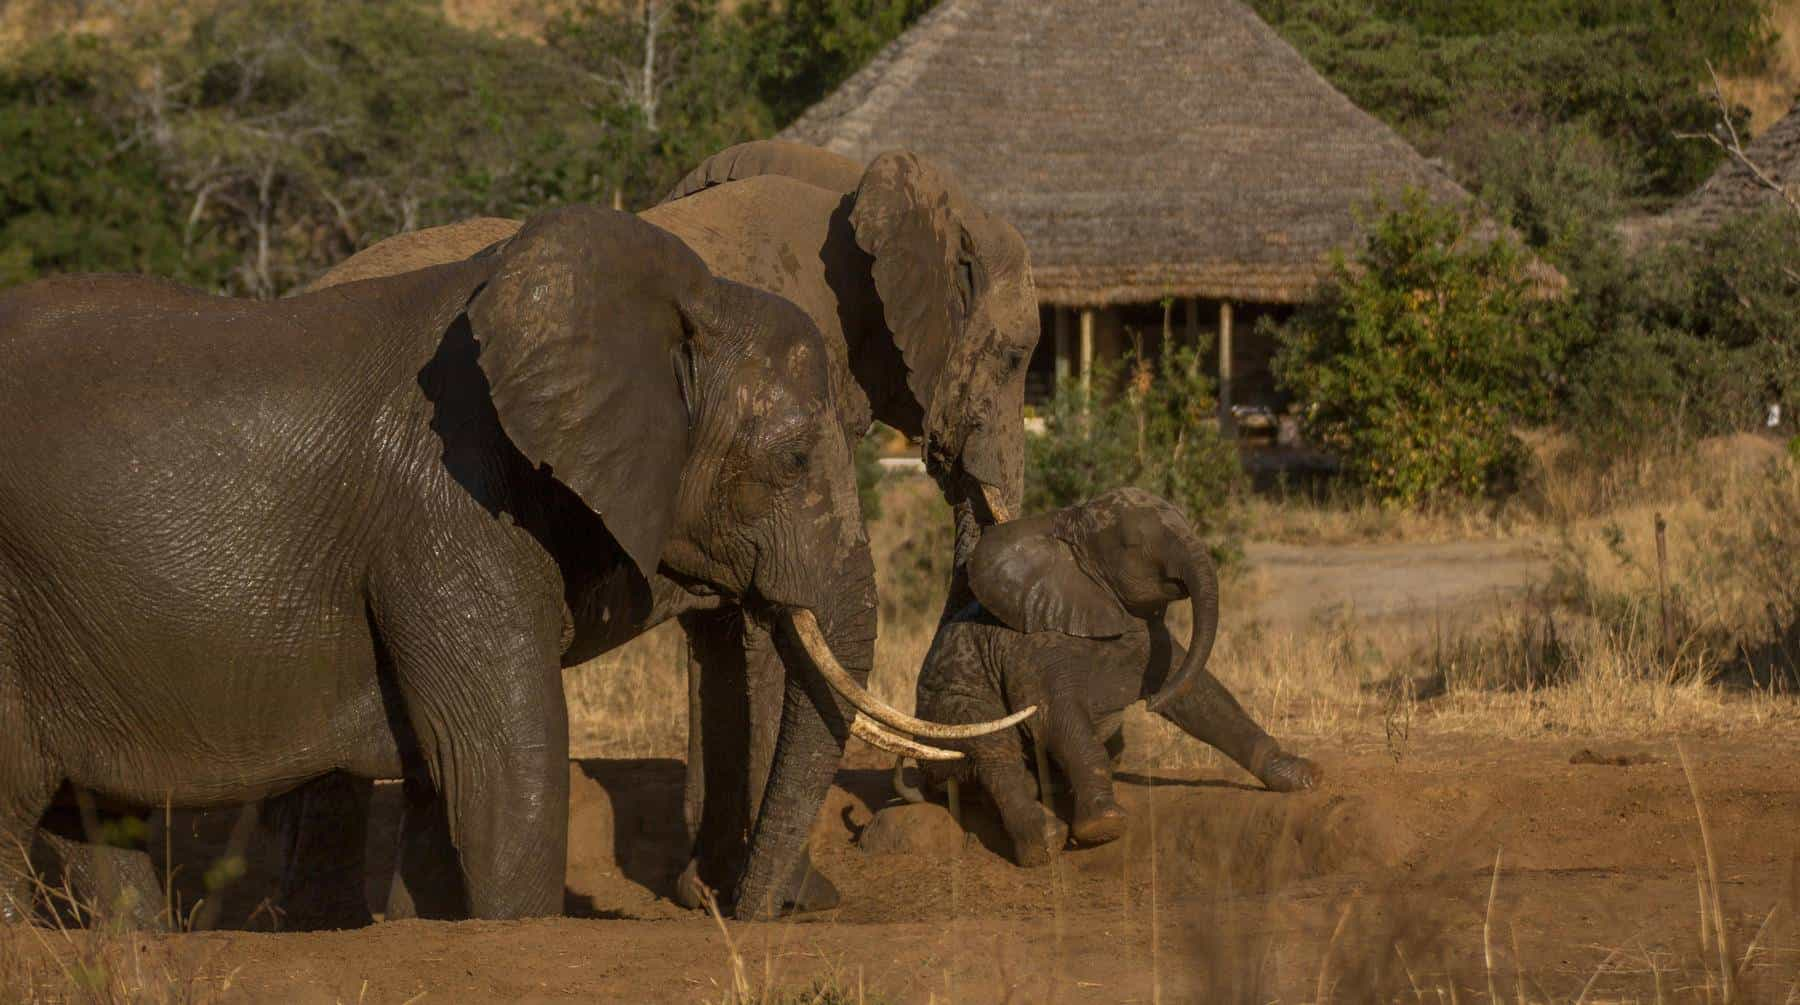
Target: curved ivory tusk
column 876, row 735
column 996, row 504
column 806, row 630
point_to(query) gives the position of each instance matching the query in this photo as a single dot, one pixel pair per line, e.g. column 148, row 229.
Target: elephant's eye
column 1015, row 358
column 798, row 461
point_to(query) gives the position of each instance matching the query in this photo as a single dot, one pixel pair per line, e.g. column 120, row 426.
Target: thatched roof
column 1733, row 189
column 1145, row 148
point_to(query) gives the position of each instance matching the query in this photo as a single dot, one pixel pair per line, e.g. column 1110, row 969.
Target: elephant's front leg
column 1069, row 736
column 735, row 696
column 482, row 692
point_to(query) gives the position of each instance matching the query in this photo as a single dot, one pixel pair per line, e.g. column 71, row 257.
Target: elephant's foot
column 814, row 892
column 1099, row 821
column 1288, row 773
column 1037, row 845
column 330, row 903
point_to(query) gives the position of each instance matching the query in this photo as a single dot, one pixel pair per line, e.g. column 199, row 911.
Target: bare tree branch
column 1733, row 146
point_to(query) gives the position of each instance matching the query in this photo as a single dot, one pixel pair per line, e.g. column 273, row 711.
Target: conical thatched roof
column 1733, row 189
column 1145, row 148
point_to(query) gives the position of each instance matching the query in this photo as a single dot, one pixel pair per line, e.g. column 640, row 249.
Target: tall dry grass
column 1771, row 93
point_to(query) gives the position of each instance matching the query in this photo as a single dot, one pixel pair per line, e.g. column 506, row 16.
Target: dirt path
column 1597, row 861
column 1298, row 585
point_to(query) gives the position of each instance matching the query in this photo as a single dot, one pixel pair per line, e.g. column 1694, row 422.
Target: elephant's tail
column 907, row 792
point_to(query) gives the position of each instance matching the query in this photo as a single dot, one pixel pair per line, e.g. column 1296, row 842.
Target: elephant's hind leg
column 27, row 783
column 117, row 884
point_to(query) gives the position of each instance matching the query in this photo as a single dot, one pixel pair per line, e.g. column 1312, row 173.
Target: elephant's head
column 956, row 300
column 956, row 292
column 1089, row 570
column 702, row 429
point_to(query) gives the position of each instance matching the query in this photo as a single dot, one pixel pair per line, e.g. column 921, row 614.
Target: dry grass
column 1770, row 94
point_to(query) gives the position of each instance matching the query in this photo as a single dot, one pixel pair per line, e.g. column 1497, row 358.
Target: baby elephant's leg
column 1036, row 833
column 1208, row 713
column 1073, row 744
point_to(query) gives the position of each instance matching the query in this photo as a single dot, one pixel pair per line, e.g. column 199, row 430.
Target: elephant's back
column 417, row 249
column 787, row 238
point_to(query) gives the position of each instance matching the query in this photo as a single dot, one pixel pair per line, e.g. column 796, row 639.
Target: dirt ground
column 1380, row 885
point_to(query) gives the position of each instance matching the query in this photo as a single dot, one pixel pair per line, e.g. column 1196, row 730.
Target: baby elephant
column 1070, row 618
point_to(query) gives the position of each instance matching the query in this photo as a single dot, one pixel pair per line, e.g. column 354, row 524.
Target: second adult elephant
column 927, row 306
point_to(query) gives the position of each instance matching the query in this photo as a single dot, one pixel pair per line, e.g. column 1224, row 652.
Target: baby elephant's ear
column 1028, row 578
column 584, row 330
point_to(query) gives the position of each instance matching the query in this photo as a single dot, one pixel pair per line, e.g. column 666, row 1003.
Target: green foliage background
column 247, row 148
column 250, row 147
column 1146, row 423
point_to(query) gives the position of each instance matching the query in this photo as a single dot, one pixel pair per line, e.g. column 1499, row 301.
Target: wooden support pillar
column 1087, row 351
column 1059, row 323
column 1191, row 308
column 1225, row 367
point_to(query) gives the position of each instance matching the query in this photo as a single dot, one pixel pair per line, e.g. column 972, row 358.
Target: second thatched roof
column 1734, row 188
column 1144, row 148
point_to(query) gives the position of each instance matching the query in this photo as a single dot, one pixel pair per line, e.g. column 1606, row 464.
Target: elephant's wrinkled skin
column 245, row 545
column 1071, row 618
column 928, row 310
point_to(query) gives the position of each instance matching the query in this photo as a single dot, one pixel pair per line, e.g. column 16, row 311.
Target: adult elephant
column 247, row 545
column 928, row 310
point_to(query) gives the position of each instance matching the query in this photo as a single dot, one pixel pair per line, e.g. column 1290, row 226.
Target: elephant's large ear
column 1027, row 576
column 583, row 337
column 813, row 165
column 905, row 220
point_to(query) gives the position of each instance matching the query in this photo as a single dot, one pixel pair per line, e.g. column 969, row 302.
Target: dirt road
column 1295, row 586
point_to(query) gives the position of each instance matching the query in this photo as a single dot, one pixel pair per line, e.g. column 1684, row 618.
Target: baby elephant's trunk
column 1202, row 584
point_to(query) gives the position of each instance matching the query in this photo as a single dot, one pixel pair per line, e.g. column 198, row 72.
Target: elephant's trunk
column 1202, row 585
column 826, row 700
column 809, row 745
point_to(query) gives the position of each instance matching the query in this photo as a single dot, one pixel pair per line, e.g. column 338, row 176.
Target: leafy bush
column 1421, row 355
column 1706, row 338
column 1152, row 425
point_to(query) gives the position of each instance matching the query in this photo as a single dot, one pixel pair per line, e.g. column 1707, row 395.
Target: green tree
column 805, row 48
column 1424, row 352
column 1152, row 424
column 77, row 191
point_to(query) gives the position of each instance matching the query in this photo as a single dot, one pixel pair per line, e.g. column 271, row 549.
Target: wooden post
column 1225, row 367
column 1087, row 351
column 1060, row 324
column 618, row 198
column 1191, row 307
